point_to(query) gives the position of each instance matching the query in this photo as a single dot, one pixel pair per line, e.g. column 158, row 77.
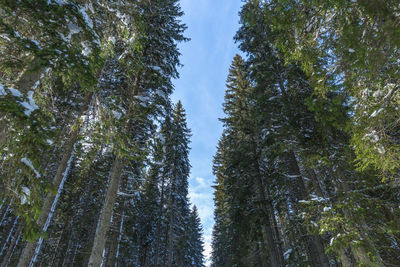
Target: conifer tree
column 195, row 240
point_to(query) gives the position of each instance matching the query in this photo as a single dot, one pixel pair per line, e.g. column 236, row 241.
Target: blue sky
column 201, row 88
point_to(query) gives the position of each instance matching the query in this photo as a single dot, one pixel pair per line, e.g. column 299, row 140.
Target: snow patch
column 85, row 16
column 15, row 92
column 112, row 39
column 142, row 98
column 381, row 150
column 376, row 112
column 377, row 94
column 117, row 114
column 17, row 34
column 26, row 193
column 2, row 90
column 86, row 50
column 161, row 94
column 372, row 136
column 292, row 176
column 326, row 209
column 287, row 253
column 31, row 106
column 28, row 163
column 58, row 2
column 73, row 29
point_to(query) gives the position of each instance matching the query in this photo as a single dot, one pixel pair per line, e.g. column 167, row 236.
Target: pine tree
column 195, row 240
column 177, row 173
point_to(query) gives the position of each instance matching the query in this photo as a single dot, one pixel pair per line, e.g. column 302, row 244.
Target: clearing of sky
column 201, row 87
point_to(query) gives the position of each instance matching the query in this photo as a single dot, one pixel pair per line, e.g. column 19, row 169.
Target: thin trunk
column 57, row 246
column 10, row 231
column 171, row 231
column 120, row 236
column 4, row 210
column 345, row 259
column 60, row 176
column 263, row 247
column 14, row 241
column 158, row 231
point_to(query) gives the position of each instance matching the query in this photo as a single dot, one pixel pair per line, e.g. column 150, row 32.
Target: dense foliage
column 307, row 167
column 93, row 154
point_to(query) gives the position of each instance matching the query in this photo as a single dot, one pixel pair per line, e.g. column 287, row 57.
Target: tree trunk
column 29, row 250
column 114, row 237
column 315, row 248
column 96, row 255
column 171, row 231
column 158, row 231
column 14, row 240
column 274, row 247
column 273, row 244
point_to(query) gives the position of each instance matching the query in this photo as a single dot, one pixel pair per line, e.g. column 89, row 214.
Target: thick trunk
column 29, row 250
column 315, row 248
column 96, row 255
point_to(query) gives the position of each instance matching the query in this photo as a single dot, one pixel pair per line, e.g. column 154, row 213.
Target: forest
column 95, row 154
column 307, row 167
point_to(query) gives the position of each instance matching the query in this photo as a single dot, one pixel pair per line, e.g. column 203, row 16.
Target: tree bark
column 114, row 238
column 96, row 255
